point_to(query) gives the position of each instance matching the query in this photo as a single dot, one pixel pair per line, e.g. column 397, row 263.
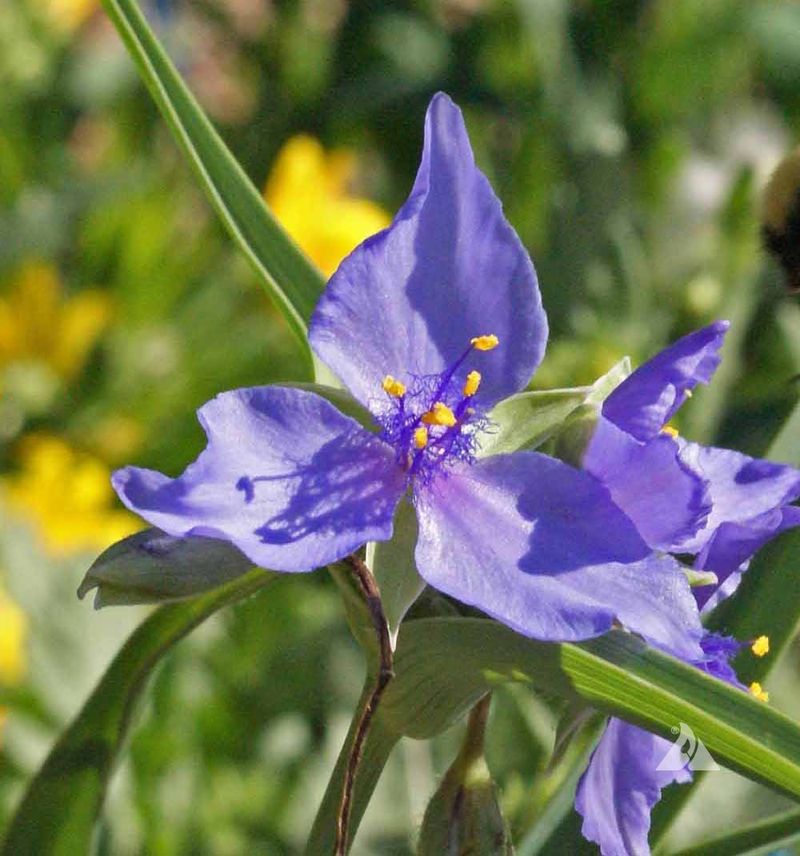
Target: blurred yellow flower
column 67, row 494
column 13, row 627
column 308, row 190
column 68, row 15
column 39, row 324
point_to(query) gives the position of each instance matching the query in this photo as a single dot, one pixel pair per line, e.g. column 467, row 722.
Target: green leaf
column 285, row 272
column 58, row 811
column 785, row 448
column 615, row 673
column 153, row 567
column 764, row 837
column 394, row 567
column 444, row 665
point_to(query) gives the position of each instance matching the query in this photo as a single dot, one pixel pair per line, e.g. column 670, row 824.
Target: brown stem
column 372, row 596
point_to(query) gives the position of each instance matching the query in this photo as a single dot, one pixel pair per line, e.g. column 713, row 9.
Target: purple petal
column 408, row 300
column 285, row 477
column 718, row 651
column 742, row 488
column 732, row 545
column 644, row 402
column 666, row 499
column 620, row 787
column 542, row 548
column 712, row 599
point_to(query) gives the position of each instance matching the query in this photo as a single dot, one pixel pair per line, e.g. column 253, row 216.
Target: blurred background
column 629, row 141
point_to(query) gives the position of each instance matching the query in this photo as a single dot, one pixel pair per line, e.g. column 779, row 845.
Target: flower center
column 434, row 421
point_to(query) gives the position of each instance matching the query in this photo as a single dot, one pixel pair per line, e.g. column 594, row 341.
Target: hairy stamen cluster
column 433, row 421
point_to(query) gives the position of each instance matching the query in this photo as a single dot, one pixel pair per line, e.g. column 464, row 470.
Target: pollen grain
column 439, row 414
column 393, row 387
column 485, row 343
column 472, row 383
column 760, row 646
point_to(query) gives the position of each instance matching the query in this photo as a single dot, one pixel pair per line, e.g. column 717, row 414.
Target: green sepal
column 574, row 437
column 527, row 420
column 153, row 567
column 394, row 567
column 607, row 383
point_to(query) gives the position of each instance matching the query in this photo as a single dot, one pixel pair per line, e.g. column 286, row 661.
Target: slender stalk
column 472, row 747
column 372, row 597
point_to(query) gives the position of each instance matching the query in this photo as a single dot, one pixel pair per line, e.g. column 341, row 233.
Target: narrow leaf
column 615, row 673
column 58, row 811
column 287, row 275
column 785, row 448
column 767, row 836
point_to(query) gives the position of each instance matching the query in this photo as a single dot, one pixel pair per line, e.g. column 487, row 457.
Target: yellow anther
column 761, row 646
column 485, row 343
column 760, row 693
column 688, row 393
column 439, row 414
column 393, row 387
column 669, row 431
column 421, row 437
column 472, row 383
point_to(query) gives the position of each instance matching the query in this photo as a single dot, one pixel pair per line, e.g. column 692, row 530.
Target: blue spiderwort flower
column 428, row 323
column 717, row 505
column 743, row 503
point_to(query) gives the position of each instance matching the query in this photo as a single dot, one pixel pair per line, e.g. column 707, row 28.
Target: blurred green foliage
column 628, row 140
